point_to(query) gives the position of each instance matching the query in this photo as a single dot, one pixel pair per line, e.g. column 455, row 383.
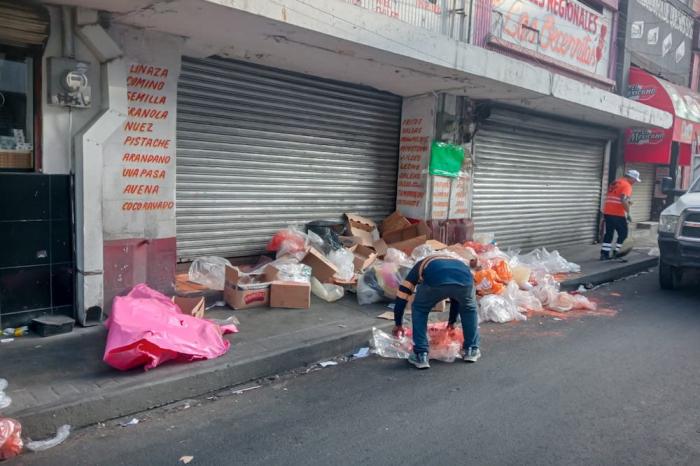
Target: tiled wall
column 36, row 247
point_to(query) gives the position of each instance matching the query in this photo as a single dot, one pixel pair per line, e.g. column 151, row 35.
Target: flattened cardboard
column 191, row 306
column 419, row 229
column 290, row 295
column 409, row 245
column 243, row 291
column 321, row 268
column 394, row 222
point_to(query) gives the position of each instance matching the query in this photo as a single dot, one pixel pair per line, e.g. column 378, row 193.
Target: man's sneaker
column 472, row 355
column 419, row 360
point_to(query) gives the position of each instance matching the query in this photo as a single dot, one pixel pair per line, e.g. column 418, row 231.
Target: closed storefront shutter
column 537, row 182
column 642, row 193
column 260, row 148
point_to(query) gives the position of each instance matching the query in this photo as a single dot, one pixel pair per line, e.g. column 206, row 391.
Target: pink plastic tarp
column 147, row 329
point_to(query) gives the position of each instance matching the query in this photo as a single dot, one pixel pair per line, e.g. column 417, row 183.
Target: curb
column 131, row 400
column 610, row 275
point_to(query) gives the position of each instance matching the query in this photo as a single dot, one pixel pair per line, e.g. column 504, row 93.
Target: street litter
column 5, row 400
column 209, row 271
column 10, row 438
column 445, row 343
column 131, row 422
column 16, row 331
column 7, row 340
column 147, row 329
column 247, row 389
column 361, row 353
column 40, row 445
column 186, row 459
column 325, row 364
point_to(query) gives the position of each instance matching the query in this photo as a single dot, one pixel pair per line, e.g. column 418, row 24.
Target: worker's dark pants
column 614, row 224
column 462, row 301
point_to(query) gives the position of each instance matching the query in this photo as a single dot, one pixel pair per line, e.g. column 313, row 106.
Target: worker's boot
column 604, row 255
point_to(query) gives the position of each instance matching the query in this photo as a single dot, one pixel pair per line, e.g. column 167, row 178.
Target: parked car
column 679, row 235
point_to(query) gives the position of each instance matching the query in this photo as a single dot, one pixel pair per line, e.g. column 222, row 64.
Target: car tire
column 669, row 276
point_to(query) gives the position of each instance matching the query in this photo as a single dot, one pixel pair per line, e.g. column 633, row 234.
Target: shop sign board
column 659, row 36
column 568, row 32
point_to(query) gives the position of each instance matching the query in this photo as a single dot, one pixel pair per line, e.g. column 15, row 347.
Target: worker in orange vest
column 617, row 213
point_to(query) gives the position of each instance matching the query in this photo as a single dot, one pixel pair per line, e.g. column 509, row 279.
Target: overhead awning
column 646, row 145
column 23, row 25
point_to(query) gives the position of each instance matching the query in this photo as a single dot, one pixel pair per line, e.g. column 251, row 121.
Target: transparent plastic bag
column 5, row 400
column 326, row 291
column 388, row 277
column 445, row 343
column 498, row 309
column 562, row 302
column 525, row 300
column 548, row 262
column 388, row 346
column 344, row 260
column 583, row 303
column 422, row 251
column 209, row 271
column 394, row 256
column 292, row 235
column 366, row 294
column 40, row 445
column 521, row 275
column 293, row 272
column 10, row 438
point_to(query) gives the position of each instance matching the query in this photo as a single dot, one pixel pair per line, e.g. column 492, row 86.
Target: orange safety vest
column 613, row 200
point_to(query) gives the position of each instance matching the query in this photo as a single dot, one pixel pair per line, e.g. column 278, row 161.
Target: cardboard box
column 245, row 291
column 408, row 238
column 291, row 295
column 192, row 306
column 363, row 229
column 394, row 222
column 321, row 268
column 413, row 231
column 380, row 247
column 364, row 257
column 409, row 245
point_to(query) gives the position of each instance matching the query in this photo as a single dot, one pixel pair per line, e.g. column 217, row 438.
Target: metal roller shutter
column 260, row 148
column 643, row 192
column 534, row 188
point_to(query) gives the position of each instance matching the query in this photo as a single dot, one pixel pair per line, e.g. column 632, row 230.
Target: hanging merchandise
column 446, row 159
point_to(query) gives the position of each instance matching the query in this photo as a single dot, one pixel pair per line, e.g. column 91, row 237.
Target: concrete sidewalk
column 62, row 380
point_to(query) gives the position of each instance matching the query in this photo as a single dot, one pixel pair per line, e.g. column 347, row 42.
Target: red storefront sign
column 654, row 145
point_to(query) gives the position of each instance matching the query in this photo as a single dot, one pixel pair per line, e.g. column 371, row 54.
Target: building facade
column 169, row 140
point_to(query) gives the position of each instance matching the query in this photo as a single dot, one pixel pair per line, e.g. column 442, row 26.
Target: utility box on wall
column 69, row 82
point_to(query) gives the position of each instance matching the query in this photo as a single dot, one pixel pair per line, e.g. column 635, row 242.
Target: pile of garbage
column 371, row 260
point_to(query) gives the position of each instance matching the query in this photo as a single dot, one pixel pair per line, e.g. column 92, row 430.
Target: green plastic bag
column 446, row 159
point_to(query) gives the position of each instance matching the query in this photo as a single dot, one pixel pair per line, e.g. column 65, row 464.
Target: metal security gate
column 537, row 182
column 260, row 148
column 642, row 193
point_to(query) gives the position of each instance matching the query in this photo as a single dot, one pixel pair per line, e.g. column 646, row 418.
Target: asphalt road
column 606, row 389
